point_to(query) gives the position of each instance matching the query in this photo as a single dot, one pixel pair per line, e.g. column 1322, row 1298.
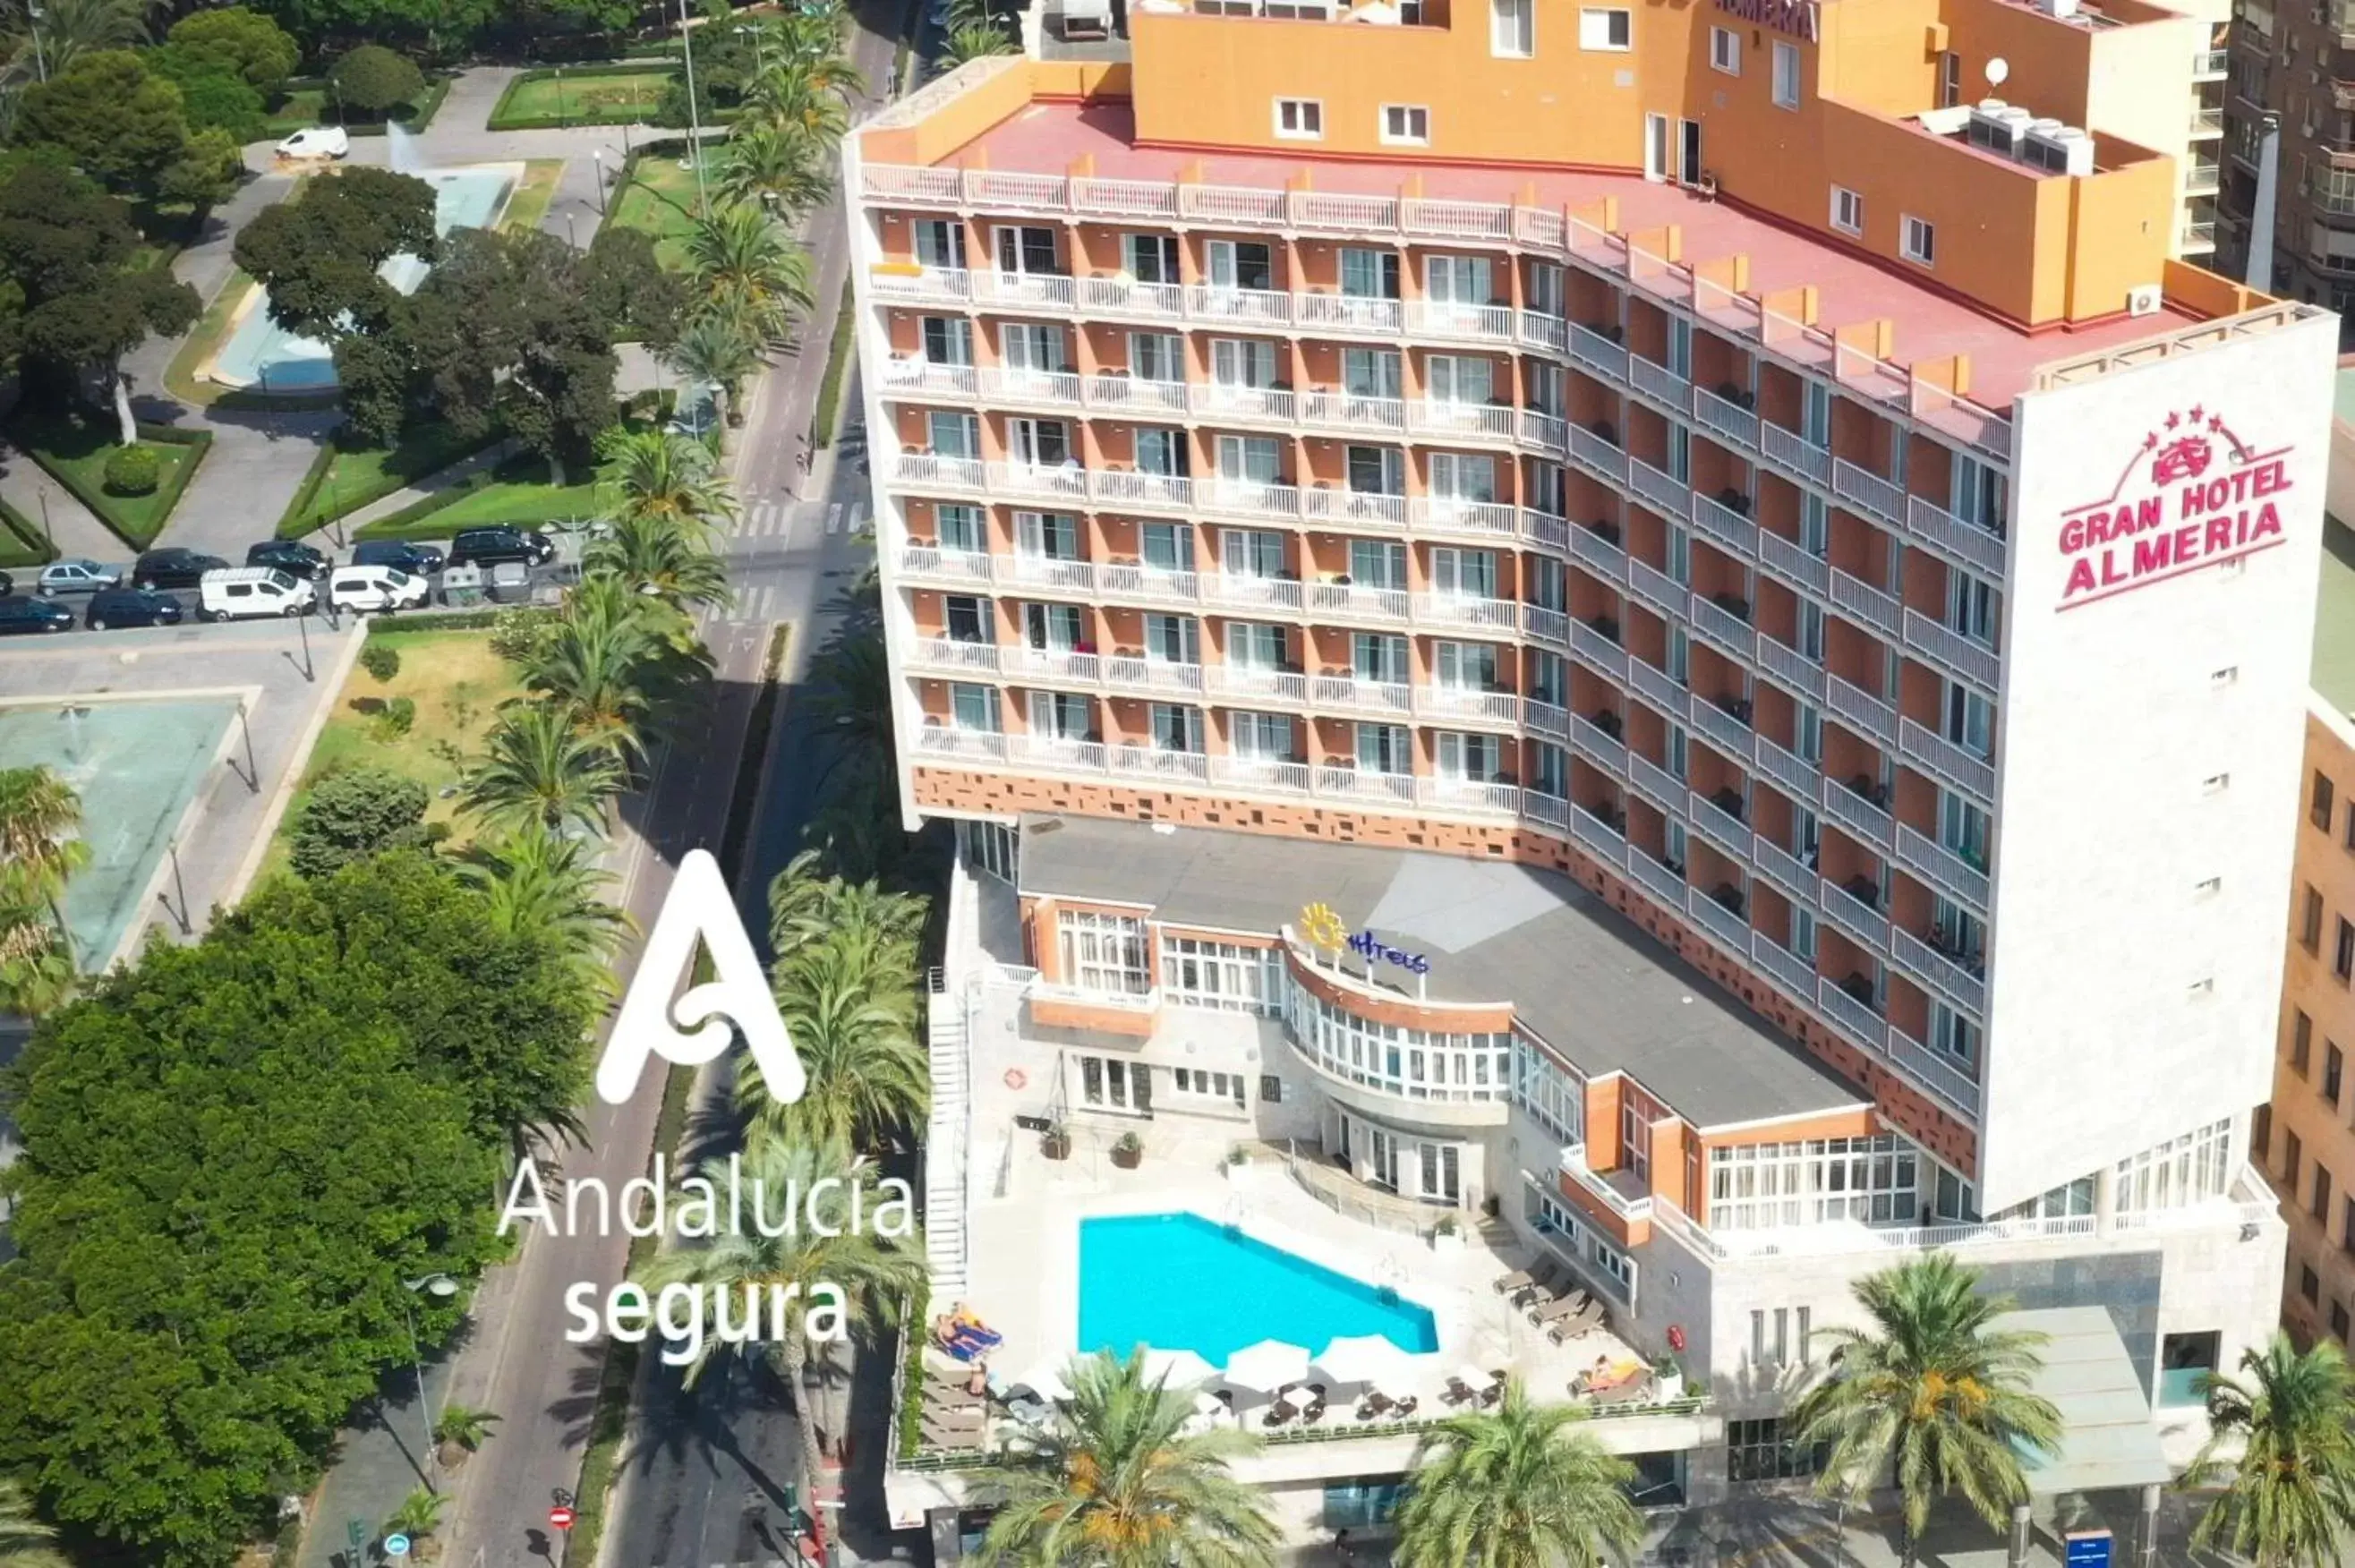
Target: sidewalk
column 74, row 527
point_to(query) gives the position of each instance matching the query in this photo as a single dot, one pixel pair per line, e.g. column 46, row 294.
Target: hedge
column 290, row 525
column 827, row 416
column 502, row 119
column 20, row 539
column 422, row 108
column 101, row 506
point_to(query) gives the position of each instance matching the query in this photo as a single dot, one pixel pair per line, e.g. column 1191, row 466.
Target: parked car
column 491, row 546
column 366, row 588
column 111, row 607
column 317, row 142
column 417, row 559
column 77, row 576
column 291, row 556
column 33, row 615
column 172, row 568
column 242, row 592
column 7, row 585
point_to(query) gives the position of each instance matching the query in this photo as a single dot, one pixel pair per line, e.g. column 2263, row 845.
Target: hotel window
column 1164, row 452
column 1059, row 716
column 1222, row 975
column 1476, row 759
column 1460, row 476
column 1376, row 471
column 960, row 528
column 1056, row 627
column 2324, row 795
column 940, row 242
column 974, row 708
column 1242, row 362
column 1026, row 251
column 1255, row 645
column 1978, row 494
column 2301, row 1044
column 1869, row 1180
column 2070, row 1200
column 1110, row 1083
column 1103, row 952
column 1033, row 345
column 2320, row 1207
column 2342, row 957
column 1378, row 564
column 1971, row 721
column 1264, row 736
column 1950, row 79
column 1463, row 574
column 1156, row 356
column 2309, row 1284
column 1605, row 28
column 2334, row 1073
column 1387, row 749
column 1760, row 1450
column 1047, row 535
column 1173, row 639
column 953, row 435
column 1378, row 657
column 1548, row 678
column 1150, row 258
column 2293, row 1159
column 1847, row 210
column 1918, row 241
column 1175, row 728
column 1414, row 1065
column 1551, row 1096
column 966, row 619
column 2261, row 1137
column 1725, row 50
column 1465, row 666
column 1205, row 1085
column 2185, row 1170
column 948, row 340
column 2347, row 1225
column 1170, row 547
column 1299, row 118
column 1786, row 75
column 2310, row 925
column 1241, row 264
column 1513, row 28
column 1545, row 296
column 1370, row 274
column 1406, row 124
column 1038, row 444
column 1974, row 608
column 1952, row 1035
column 1618, row 1268
column 1250, row 552
column 1372, row 372
column 1252, row 459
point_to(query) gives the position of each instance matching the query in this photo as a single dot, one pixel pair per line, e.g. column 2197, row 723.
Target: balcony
column 1598, row 353
column 1864, row 819
column 1058, row 389
column 2206, row 123
column 1866, row 604
column 1724, row 924
column 1475, row 422
column 1854, row 1018
column 1130, row 580
column 1466, row 610
column 1349, row 313
column 1656, row 687
column 1593, row 450
column 1959, row 982
column 953, row 654
column 1469, row 702
column 1848, row 910
column 1272, row 774
column 1237, row 497
column 1793, row 453
column 955, row 568
column 1241, row 592
column 1550, row 434
column 1121, row 393
column 1942, row 759
column 1463, row 515
column 1456, row 319
column 1718, row 622
column 1550, row 720
column 1252, row 683
column 1600, row 837
column 1064, row 482
column 1665, row 883
column 1245, row 405
column 1791, row 668
column 1726, row 729
column 1599, row 555
column 2209, row 64
column 1592, row 647
column 1477, row 795
column 1159, row 491
column 915, row 374
column 1975, row 546
column 1355, row 602
column 1157, row 764
column 2203, row 178
column 1942, row 869
column 1794, row 975
column 1061, row 667
column 1663, row 788
column 1598, row 746
column 960, row 745
column 1351, row 694
column 1365, row 509
column 1794, row 773
column 1965, row 657
column 1129, row 672
column 1364, row 783
column 1721, row 827
column 1545, row 529
column 1620, row 1191
column 1546, row 625
column 1657, row 589
column 1238, row 307
column 1793, row 877
column 1127, row 296
column 1937, row 1073
column 1722, row 416
column 1350, row 412
column 960, row 476
column 1056, row 572
column 1659, row 383
column 1723, row 523
column 1868, row 491
column 1667, row 495
column 1866, row 715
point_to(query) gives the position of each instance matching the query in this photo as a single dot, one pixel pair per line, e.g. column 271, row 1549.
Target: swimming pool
column 260, row 352
column 1179, row 1281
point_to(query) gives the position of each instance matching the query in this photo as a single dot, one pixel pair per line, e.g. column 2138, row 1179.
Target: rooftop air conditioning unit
column 2144, row 299
column 1998, row 126
column 2058, row 148
column 2064, row 9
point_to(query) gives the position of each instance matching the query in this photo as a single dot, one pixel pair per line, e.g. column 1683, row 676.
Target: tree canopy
column 236, row 42
column 375, row 79
column 355, row 814
column 319, row 256
column 234, row 1151
column 124, row 126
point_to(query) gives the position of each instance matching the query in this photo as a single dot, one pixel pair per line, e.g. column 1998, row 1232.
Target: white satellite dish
column 1997, row 69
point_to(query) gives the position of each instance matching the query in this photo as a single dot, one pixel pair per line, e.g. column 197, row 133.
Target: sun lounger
column 1375, row 1403
column 1563, row 1331
column 1627, row 1392
column 1559, row 1307
column 1543, row 1282
column 1404, row 1408
column 1522, row 1278
column 1458, row 1392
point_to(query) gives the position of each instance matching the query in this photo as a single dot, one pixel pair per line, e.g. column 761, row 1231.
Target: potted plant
column 1447, row 1236
column 1055, row 1143
column 1128, row 1152
column 460, row 1432
column 1668, row 1376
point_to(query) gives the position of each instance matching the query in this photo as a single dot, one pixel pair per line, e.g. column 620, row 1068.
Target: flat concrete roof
column 1578, row 975
column 2333, row 672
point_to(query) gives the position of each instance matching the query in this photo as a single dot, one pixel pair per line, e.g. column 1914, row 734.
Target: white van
column 366, row 588
column 242, row 592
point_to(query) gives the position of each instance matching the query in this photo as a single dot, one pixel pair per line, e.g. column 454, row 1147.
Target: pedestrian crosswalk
column 788, row 519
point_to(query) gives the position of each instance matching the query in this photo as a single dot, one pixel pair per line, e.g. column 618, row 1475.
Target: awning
column 2107, row 1438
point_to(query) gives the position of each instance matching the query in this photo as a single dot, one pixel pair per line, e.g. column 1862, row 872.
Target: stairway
column 945, row 1141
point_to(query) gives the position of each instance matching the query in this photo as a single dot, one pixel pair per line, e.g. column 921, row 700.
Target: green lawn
column 353, row 479
column 299, row 111
column 516, row 491
column 73, row 447
column 533, row 194
column 306, row 106
column 660, row 200
column 458, row 683
column 622, row 98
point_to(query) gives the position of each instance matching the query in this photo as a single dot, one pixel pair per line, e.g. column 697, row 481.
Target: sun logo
column 1320, row 927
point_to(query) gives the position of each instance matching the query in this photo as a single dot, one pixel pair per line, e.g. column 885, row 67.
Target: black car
column 172, row 568
column 417, row 559
column 495, row 546
column 7, row 585
column 33, row 615
column 291, row 556
column 132, row 607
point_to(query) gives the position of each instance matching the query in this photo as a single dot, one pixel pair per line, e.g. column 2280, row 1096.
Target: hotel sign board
column 2192, row 494
column 1800, row 18
column 1320, row 927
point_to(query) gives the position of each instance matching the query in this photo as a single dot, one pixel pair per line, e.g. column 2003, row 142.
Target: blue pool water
column 260, row 352
column 1178, row 1281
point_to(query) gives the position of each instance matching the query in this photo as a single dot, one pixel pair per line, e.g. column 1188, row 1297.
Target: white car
column 242, row 592
column 75, row 577
column 316, row 142
column 366, row 588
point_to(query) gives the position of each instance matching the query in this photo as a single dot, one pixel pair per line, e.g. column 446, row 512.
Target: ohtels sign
column 2194, row 494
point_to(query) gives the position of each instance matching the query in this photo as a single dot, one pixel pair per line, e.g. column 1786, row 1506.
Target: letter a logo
column 697, row 906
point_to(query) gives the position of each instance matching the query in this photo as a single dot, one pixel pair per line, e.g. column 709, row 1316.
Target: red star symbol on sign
column 2174, row 420
column 2197, row 412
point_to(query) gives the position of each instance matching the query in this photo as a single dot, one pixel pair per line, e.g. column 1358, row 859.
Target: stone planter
column 1056, row 1145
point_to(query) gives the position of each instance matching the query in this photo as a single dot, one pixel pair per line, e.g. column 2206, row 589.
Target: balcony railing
column 1628, row 1208
column 1788, row 667
column 1941, row 530
column 1468, row 702
column 1433, row 416
column 1662, row 883
column 1547, row 433
column 1255, row 683
column 1452, row 318
column 1656, row 687
column 1605, row 457
column 1869, row 491
column 1063, row 667
column 1592, row 648
column 1853, row 1016
column 1358, row 508
column 964, row 745
column 1937, row 1071
column 1130, row 581
column 1724, row 526
column 1942, row 868
column 1591, row 348
column 1657, row 489
column 1662, row 787
column 1350, row 411
column 1029, row 570
column 1789, row 450
column 1795, row 974
column 1358, row 602
column 1793, row 773
column 1657, row 589
column 1721, row 730
column 1866, row 714
column 1869, row 604
column 1546, row 718
column 1364, row 783
column 1242, row 592
column 1966, row 656
column 1466, row 610
column 960, row 568
column 1591, row 742
column 1860, row 921
column 1723, row 628
column 1658, row 382
column 1789, row 561
column 1941, row 758
column 1599, row 556
column 1785, row 870
column 1129, row 672
column 1723, row 417
column 1461, row 514
column 1865, row 822
column 1957, row 982
column 1729, row 928
column 953, row 654
column 1546, row 625
column 1599, row 837
column 1360, row 696
column 1719, row 827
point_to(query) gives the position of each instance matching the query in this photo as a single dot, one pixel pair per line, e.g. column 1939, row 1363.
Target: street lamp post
column 48, row 538
column 40, row 61
column 302, row 625
column 252, row 772
column 442, row 1287
column 599, row 153
column 694, row 116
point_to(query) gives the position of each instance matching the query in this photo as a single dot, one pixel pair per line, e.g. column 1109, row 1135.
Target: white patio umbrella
column 1365, row 1358
column 1046, row 1381
column 1474, row 1376
column 1267, row 1366
column 1177, row 1368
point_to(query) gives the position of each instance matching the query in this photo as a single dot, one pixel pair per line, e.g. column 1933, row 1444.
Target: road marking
column 834, row 519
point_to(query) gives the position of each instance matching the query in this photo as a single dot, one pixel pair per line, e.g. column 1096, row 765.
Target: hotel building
column 1654, row 626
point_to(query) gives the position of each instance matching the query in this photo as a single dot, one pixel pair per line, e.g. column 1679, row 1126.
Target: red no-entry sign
column 560, row 1516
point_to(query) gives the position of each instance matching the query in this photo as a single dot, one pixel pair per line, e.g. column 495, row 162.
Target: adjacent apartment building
column 2292, row 62
column 1671, row 624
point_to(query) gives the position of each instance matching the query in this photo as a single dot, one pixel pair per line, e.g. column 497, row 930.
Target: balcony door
column 1250, row 459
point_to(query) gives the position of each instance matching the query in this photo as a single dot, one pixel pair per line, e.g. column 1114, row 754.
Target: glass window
column 1604, row 28
column 1870, row 1181
column 1918, row 241
column 1103, row 952
column 1787, row 75
column 1551, row 1095
column 1725, row 50
column 1406, row 124
column 1222, row 975
column 1512, row 29
column 1370, row 274
column 1414, row 1065
column 960, row 528
column 1299, row 118
column 2180, row 1171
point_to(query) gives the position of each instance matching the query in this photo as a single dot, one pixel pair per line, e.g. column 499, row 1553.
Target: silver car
column 75, row 577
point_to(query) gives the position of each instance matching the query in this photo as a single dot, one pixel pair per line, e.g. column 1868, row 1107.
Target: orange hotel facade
column 1689, row 449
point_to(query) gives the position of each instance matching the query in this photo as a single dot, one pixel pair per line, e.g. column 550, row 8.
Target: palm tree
column 854, row 692
column 2288, row 1499
column 805, row 904
column 810, row 97
column 605, row 663
column 741, row 260
column 717, row 347
column 1117, row 1481
column 37, row 973
column 40, row 834
column 539, row 768
column 1516, row 1486
column 23, row 1540
column 851, row 1015
column 1934, row 1390
column 419, row 1513
column 975, row 41
column 537, row 883
column 663, row 473
column 464, row 1427
column 660, row 559
column 878, row 1273
column 764, row 161
column 70, row 29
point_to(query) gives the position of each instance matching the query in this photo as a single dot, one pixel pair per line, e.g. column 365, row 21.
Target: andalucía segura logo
column 722, row 1204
